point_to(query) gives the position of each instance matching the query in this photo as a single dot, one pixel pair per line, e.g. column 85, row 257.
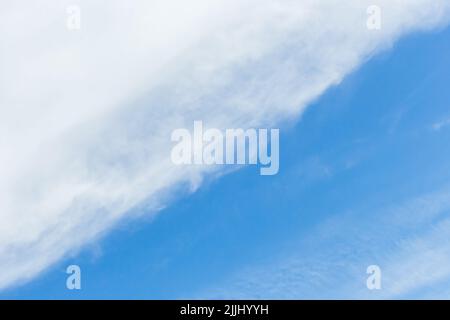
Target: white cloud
column 437, row 126
column 85, row 116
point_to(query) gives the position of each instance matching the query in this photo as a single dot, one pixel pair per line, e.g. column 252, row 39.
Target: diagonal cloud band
column 86, row 115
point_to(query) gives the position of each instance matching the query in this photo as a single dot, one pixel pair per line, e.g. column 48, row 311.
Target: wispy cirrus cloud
column 407, row 240
column 86, row 116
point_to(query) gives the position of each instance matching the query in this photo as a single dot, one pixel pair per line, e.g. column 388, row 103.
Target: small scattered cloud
column 437, row 126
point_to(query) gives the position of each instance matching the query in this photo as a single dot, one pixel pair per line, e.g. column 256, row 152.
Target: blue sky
column 364, row 179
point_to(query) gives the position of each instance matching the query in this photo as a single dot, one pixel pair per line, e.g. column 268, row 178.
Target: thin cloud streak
column 408, row 241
